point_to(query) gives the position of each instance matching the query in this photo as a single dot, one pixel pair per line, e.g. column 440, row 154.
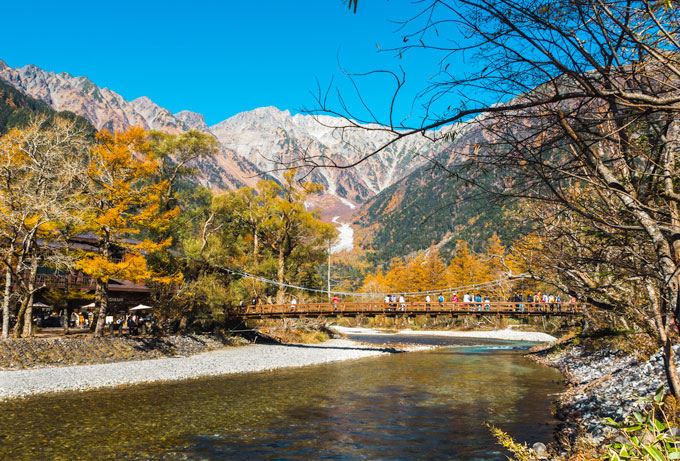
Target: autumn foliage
column 427, row 272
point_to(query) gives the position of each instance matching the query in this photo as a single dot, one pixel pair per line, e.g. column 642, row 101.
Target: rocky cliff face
column 270, row 138
column 254, row 144
column 192, row 120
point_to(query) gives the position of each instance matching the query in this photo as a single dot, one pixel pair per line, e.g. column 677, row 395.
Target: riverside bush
column 646, row 436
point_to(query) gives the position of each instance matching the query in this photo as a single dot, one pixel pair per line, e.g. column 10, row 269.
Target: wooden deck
column 408, row 309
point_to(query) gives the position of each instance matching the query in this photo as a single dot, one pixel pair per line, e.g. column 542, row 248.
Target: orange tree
column 122, row 202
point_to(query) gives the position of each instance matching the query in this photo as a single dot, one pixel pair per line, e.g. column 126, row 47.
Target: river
column 429, row 404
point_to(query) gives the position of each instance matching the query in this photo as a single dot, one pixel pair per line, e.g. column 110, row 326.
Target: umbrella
column 140, row 307
column 88, row 306
column 41, row 305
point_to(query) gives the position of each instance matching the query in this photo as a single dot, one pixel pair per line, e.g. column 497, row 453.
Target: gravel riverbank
column 509, row 334
column 20, row 383
column 602, row 383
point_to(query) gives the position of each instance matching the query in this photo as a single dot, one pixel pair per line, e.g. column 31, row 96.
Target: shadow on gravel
column 154, row 344
column 390, row 350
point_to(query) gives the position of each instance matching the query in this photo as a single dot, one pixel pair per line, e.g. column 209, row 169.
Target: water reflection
column 417, row 405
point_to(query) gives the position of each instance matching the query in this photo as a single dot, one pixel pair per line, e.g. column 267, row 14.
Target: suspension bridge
column 406, row 309
column 379, row 306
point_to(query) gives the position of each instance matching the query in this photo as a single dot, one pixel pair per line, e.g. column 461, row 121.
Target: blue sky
column 214, row 57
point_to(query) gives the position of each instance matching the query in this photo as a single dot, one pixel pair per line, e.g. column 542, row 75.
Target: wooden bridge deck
column 409, row 309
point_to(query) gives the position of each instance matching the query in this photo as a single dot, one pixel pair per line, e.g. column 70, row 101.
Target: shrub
column 646, row 436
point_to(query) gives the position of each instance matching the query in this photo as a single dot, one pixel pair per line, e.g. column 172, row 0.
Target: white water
column 345, row 240
column 348, row 203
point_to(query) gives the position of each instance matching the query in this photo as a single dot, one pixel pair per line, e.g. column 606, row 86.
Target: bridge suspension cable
column 475, row 286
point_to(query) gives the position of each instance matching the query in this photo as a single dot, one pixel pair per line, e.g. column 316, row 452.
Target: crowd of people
column 479, row 301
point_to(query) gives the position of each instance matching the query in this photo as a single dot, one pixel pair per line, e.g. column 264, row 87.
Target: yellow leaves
column 420, row 273
column 426, row 272
column 133, row 267
column 148, row 246
column 118, row 160
column 125, row 200
column 174, row 279
column 394, row 202
column 111, row 218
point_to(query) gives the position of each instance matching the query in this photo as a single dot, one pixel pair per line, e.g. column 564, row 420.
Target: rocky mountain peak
column 157, row 117
column 192, row 120
column 143, row 101
column 3, row 65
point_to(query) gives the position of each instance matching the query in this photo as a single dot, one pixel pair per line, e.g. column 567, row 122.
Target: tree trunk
column 666, row 341
column 28, row 317
column 255, row 245
column 101, row 300
column 671, row 370
column 19, row 326
column 66, row 319
column 281, row 294
column 5, row 303
column 33, row 274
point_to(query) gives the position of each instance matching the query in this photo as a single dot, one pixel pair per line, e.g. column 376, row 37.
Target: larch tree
column 501, row 267
column 466, row 268
column 122, row 201
column 434, row 271
column 177, row 156
column 40, row 203
column 292, row 232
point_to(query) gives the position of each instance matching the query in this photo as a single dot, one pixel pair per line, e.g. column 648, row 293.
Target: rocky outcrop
column 156, row 117
column 192, row 120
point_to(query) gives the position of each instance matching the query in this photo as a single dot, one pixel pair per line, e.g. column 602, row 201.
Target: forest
column 136, row 193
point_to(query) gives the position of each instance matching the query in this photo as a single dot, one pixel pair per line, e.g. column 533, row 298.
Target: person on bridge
column 454, row 299
column 293, row 303
column 336, row 300
column 441, row 300
column 427, row 301
column 402, row 301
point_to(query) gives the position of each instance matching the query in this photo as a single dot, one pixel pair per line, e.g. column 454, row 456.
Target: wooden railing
column 72, row 281
column 353, row 309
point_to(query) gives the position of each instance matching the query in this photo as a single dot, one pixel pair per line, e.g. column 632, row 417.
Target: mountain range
column 253, row 145
column 398, row 201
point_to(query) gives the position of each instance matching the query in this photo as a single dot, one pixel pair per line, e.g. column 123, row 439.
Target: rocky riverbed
column 602, row 383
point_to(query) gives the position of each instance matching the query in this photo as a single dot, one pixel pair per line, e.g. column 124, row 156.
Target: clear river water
column 425, row 405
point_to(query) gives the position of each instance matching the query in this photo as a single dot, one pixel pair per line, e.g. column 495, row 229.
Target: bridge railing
column 447, row 307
